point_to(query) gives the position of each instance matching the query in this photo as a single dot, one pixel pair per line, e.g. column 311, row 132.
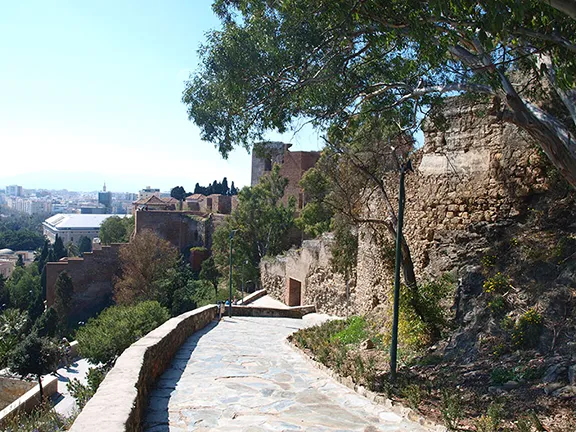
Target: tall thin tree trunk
column 39, row 377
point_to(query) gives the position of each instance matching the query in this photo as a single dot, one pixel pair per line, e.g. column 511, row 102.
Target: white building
column 29, row 205
column 71, row 227
column 147, row 192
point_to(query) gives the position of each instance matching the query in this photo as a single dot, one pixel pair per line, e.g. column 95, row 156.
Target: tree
column 4, row 293
column 35, row 356
column 116, row 229
column 210, row 273
column 24, row 289
column 63, row 299
column 225, row 190
column 12, row 325
column 59, row 249
column 43, row 256
column 233, row 190
column 84, row 245
column 179, row 193
column 262, row 223
column 145, row 262
column 105, row 337
column 72, row 250
column 47, row 324
column 271, row 63
column 20, row 262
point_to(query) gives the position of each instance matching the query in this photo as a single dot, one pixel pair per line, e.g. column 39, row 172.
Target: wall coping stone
column 30, row 399
column 254, row 296
column 121, row 400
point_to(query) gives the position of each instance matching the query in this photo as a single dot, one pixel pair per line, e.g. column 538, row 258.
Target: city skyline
column 92, row 94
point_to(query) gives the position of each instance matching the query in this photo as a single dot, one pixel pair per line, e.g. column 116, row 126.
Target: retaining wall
column 121, row 400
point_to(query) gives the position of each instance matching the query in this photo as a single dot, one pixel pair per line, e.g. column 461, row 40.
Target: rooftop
column 74, row 220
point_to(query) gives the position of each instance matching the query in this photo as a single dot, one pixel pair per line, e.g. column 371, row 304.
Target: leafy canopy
column 332, row 62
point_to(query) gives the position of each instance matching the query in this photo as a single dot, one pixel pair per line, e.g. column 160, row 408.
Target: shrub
column 497, row 284
column 500, row 376
column 497, row 305
column 43, row 418
column 451, row 409
column 84, row 392
column 527, row 331
column 354, row 331
column 104, row 338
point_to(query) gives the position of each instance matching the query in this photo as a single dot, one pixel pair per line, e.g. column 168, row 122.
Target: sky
column 90, row 92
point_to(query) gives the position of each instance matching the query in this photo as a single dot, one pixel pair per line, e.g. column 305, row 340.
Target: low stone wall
column 121, row 400
column 30, row 399
column 254, row 296
column 255, row 311
column 11, row 389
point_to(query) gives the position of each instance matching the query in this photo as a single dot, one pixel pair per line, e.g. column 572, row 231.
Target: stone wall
column 473, row 173
column 11, row 389
column 92, row 277
column 295, row 164
column 120, row 403
column 182, row 229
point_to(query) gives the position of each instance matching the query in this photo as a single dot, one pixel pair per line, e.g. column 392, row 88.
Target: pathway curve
column 241, row 375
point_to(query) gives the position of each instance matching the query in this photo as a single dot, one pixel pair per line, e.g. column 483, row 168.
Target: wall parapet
column 121, row 400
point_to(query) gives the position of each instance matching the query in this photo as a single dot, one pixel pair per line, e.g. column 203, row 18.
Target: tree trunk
column 557, row 142
column 39, row 377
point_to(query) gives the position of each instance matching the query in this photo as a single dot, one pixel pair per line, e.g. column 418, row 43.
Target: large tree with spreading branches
column 332, row 62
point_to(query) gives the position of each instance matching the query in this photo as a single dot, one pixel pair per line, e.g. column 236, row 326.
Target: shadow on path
column 157, row 417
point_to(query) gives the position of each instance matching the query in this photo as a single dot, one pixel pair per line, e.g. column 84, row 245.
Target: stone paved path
column 241, row 375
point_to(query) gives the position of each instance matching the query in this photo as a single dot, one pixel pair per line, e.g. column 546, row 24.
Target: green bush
column 497, row 284
column 84, row 392
column 527, row 331
column 500, row 375
column 353, row 333
column 43, row 418
column 104, row 338
column 497, row 305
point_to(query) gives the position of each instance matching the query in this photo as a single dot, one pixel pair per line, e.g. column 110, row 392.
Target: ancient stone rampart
column 92, row 277
column 183, row 229
column 120, row 403
column 473, row 172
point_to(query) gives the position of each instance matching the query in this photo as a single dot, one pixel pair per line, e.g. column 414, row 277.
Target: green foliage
column 491, row 421
column 63, row 292
column 316, row 216
column 270, row 64
column 35, row 356
column 216, row 187
column 353, row 333
column 500, row 375
column 451, row 409
column 24, row 289
column 497, row 305
column 19, row 231
column 413, row 394
column 184, row 299
column 497, row 284
column 84, row 245
column 59, row 249
column 262, row 223
column 527, row 330
column 47, row 324
column 489, row 261
column 105, row 337
column 414, row 331
column 12, row 324
column 43, row 418
column 345, row 246
column 210, row 273
column 82, row 393
column 115, row 229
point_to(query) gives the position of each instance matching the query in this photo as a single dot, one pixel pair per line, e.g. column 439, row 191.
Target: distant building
column 71, row 227
column 154, row 202
column 293, row 165
column 105, row 199
column 148, row 192
column 14, row 190
column 29, row 205
column 94, row 210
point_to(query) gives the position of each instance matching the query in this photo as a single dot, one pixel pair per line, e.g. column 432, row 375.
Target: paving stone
column 242, row 375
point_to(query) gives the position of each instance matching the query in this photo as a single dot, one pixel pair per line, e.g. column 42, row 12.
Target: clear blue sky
column 90, row 92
